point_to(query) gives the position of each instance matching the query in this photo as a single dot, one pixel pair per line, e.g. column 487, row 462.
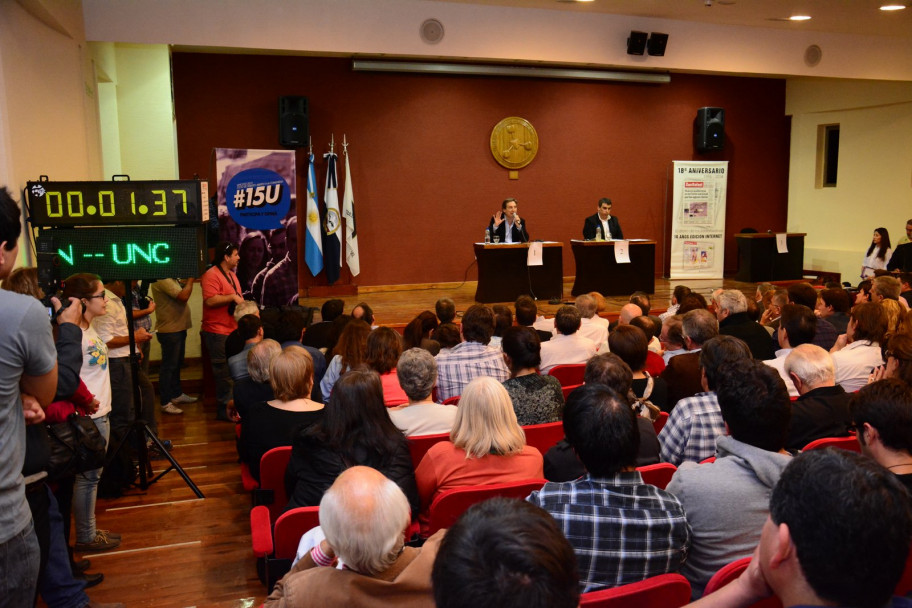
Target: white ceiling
column 835, row 16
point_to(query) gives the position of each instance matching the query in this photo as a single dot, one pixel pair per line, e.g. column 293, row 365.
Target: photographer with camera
column 221, row 293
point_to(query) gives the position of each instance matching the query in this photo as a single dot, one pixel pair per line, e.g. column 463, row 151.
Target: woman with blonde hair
column 274, row 423
column 894, row 313
column 486, row 446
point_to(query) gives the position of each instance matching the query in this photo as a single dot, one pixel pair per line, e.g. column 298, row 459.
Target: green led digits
column 124, row 253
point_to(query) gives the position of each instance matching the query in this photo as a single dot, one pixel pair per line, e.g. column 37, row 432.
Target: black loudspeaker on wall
column 293, row 131
column 709, row 129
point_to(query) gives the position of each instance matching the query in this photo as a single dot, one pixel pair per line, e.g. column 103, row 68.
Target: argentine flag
column 313, row 238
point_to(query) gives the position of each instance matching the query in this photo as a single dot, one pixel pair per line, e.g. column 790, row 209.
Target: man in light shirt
column 567, row 347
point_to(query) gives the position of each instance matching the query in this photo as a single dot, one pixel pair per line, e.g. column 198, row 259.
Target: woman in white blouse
column 878, row 255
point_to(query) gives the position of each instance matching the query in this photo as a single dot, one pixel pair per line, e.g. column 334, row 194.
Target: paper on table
column 622, row 252
column 535, row 254
column 781, row 244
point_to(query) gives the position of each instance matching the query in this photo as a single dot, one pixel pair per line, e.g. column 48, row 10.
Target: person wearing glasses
column 96, row 374
column 770, row 317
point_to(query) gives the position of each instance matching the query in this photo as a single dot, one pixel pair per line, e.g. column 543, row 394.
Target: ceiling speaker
column 812, row 55
column 431, row 31
column 636, row 43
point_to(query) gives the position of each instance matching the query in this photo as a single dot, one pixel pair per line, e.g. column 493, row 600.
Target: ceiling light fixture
column 892, row 7
column 800, row 18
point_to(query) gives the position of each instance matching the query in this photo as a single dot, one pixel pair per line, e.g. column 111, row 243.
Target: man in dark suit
column 901, row 260
column 603, row 221
column 507, row 217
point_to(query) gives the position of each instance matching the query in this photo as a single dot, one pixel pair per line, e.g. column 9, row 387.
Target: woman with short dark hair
column 536, row 399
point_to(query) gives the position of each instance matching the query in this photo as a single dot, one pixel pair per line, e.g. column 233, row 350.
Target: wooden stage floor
column 398, row 304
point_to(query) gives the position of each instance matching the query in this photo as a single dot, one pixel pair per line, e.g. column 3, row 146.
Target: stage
column 398, row 304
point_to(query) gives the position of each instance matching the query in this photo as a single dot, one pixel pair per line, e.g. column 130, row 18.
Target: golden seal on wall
column 514, row 142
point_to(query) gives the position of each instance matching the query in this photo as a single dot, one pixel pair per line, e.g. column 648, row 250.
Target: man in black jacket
column 603, row 222
column 508, row 218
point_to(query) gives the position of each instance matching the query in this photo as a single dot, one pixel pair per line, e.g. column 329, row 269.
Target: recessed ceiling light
column 892, row 7
column 800, row 18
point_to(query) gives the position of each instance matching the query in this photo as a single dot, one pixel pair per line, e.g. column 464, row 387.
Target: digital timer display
column 117, row 203
column 150, row 252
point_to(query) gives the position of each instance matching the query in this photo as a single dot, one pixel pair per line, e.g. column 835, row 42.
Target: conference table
column 759, row 259
column 598, row 270
column 503, row 274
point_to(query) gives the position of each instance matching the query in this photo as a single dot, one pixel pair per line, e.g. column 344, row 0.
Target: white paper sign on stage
column 698, row 219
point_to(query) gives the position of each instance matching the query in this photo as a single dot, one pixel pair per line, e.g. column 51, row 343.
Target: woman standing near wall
column 878, row 254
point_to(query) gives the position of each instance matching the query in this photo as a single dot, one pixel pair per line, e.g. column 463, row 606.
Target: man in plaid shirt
column 466, row 361
column 621, row 529
column 695, row 423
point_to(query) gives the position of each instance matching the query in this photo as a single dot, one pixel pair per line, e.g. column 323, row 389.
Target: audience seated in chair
column 486, row 446
column 356, row 430
column 255, row 387
column 682, row 374
column 797, row 326
column 271, row 424
column 348, row 354
column 630, row 344
column 837, row 535
column 561, row 462
column 537, row 399
column 592, row 326
column 731, row 311
column 567, row 346
column 417, row 373
column 384, row 346
column 527, row 316
column 883, row 419
column 822, row 407
column 417, row 334
column 695, row 423
column 459, row 365
column 858, row 351
column 505, row 553
column 727, row 500
column 363, row 515
column 621, row 529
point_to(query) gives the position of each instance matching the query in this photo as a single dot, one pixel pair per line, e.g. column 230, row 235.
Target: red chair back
column 250, row 484
column 844, row 443
column 449, row 505
column 545, row 436
column 730, row 572
column 566, row 390
column 905, row 583
column 659, row 423
column 663, row 591
column 420, row 444
column 452, row 400
column 569, row 375
column 272, row 477
column 657, row 475
column 289, row 528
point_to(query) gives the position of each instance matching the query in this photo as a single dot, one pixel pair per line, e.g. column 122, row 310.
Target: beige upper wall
column 874, row 186
column 489, row 32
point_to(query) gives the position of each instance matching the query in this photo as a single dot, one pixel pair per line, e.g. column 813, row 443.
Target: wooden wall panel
column 425, row 181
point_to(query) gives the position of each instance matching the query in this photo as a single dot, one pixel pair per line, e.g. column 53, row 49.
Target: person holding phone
column 505, row 219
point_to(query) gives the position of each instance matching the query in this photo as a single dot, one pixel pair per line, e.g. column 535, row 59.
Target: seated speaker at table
column 603, row 221
column 508, row 218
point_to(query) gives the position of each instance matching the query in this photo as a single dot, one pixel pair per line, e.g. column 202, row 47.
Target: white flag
column 351, row 231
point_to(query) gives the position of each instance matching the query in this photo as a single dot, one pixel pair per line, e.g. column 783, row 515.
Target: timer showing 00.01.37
column 116, row 203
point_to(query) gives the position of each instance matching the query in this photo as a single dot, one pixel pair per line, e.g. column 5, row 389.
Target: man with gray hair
column 885, row 288
column 822, row 408
column 629, row 312
column 590, row 325
column 363, row 515
column 255, row 387
column 731, row 310
column 682, row 373
column 672, row 337
column 417, row 373
column 567, row 347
